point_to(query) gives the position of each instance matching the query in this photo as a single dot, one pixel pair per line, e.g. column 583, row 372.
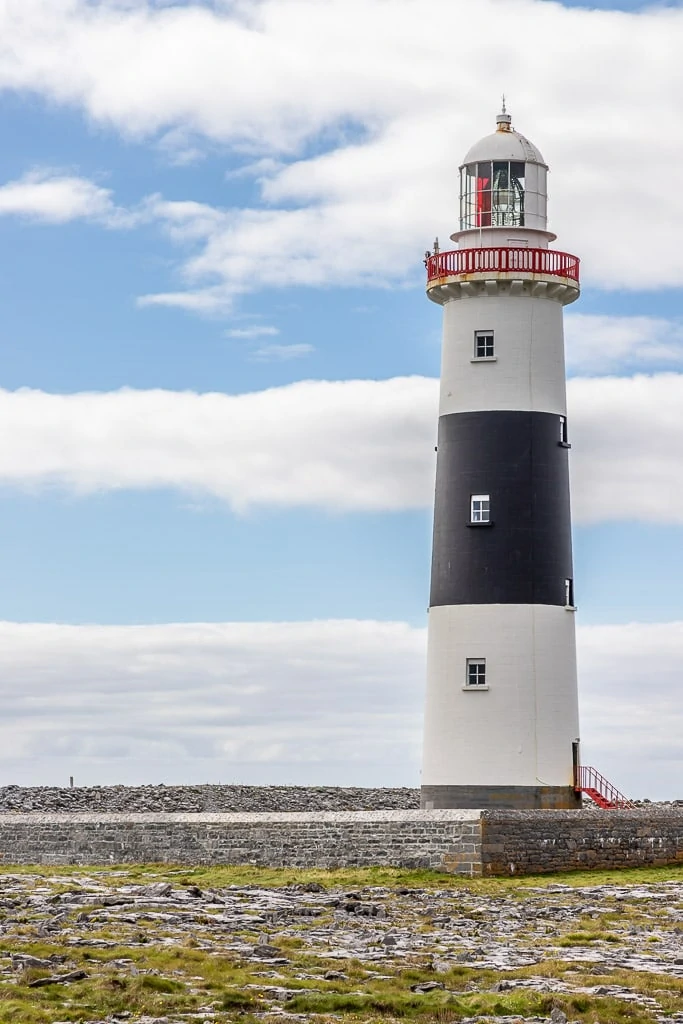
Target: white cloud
column 270, row 702
column 631, row 712
column 339, row 445
column 179, row 149
column 257, row 169
column 55, row 198
column 603, row 344
column 255, row 331
column 627, row 435
column 183, row 220
column 307, row 702
column 282, row 353
column 392, row 114
column 206, row 301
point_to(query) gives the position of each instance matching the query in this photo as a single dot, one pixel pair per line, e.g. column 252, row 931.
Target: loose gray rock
column 58, row 979
column 558, row 1016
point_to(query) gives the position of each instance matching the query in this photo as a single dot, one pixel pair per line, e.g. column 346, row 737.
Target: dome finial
column 504, row 121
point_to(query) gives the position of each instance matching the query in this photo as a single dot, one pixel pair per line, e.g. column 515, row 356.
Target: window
column 483, row 345
column 476, row 672
column 563, row 430
column 492, row 194
column 569, row 593
column 480, row 508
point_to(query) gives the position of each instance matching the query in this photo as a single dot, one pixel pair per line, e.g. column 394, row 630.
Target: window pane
column 507, row 203
column 517, row 172
column 469, row 196
column 483, row 214
column 476, row 672
column 463, row 197
column 483, row 344
column 471, row 173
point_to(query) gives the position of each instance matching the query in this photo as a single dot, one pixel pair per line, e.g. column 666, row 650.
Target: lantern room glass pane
column 507, row 194
column 517, row 172
column 468, row 196
column 531, row 172
column 483, row 208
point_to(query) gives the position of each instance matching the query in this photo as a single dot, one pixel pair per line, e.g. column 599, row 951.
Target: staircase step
column 599, row 799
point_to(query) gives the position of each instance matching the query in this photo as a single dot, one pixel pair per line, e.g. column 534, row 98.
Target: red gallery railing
column 503, row 260
column 589, row 780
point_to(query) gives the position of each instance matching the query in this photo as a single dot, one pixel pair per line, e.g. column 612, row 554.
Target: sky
column 218, row 374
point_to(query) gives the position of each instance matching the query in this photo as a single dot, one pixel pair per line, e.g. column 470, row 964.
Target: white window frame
column 569, row 592
column 483, row 336
column 478, row 514
column 479, row 663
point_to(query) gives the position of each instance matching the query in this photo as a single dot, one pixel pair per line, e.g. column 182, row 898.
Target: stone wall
column 466, row 842
column 441, row 840
column 195, row 799
column 530, row 842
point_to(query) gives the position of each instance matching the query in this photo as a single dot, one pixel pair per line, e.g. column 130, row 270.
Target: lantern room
column 503, row 183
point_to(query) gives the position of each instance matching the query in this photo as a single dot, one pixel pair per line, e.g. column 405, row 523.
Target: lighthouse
column 501, row 715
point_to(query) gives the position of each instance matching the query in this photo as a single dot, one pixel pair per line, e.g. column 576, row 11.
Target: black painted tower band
column 524, row 555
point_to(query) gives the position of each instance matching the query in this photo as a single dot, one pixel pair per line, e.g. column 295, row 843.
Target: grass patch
column 223, row 876
column 93, row 999
column 445, row 1006
column 586, row 938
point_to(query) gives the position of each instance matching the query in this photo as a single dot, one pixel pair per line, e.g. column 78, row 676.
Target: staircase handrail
column 587, row 777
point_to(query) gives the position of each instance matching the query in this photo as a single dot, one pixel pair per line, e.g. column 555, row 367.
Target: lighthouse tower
column 501, row 719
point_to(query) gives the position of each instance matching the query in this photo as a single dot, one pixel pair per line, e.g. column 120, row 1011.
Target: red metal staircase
column 589, row 781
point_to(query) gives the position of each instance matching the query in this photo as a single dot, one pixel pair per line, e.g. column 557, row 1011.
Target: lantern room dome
column 504, row 144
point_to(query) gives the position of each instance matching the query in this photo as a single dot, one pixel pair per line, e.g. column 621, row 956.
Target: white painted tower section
column 519, row 729
column 527, row 372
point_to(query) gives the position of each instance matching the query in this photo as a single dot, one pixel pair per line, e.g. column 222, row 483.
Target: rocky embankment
column 216, row 798
column 188, row 799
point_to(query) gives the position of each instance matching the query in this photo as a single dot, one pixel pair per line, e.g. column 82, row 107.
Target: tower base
column 515, row 798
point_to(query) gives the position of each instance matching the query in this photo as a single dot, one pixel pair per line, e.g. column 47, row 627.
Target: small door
column 576, row 760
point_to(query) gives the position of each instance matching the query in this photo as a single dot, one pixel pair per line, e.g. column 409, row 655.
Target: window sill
column 564, row 444
column 489, row 522
column 571, row 608
column 484, row 359
column 471, row 689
